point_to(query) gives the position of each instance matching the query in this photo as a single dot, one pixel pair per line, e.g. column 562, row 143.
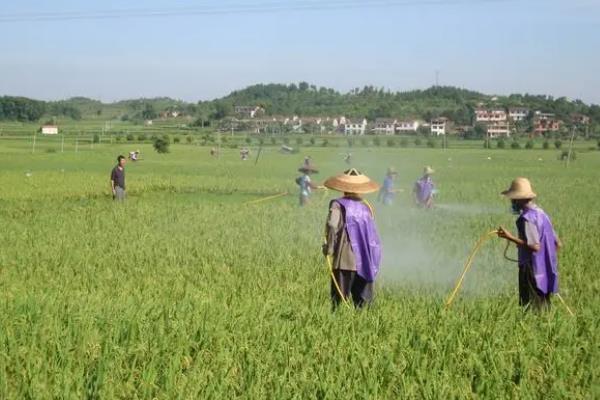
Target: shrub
column 325, row 143
column 118, row 139
column 143, row 137
column 96, row 138
column 130, row 137
column 501, row 144
column 167, row 138
column 404, row 142
column 189, row 139
column 161, row 145
column 546, row 145
column 418, row 142
column 530, row 144
column 565, row 155
column 365, row 142
column 515, row 145
column 51, row 150
column 558, row 144
column 261, row 141
column 390, row 142
column 377, row 141
column 273, row 140
column 299, row 141
column 431, row 143
column 248, row 140
column 176, row 139
column 312, row 141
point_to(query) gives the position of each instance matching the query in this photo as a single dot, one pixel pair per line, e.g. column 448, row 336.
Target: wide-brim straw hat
column 428, row 170
column 520, row 189
column 308, row 169
column 352, row 181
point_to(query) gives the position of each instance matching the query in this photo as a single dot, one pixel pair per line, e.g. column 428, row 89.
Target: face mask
column 515, row 208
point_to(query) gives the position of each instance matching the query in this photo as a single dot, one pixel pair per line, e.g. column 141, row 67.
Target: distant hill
column 302, row 99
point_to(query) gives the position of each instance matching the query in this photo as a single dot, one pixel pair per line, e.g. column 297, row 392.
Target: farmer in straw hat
column 424, row 189
column 352, row 240
column 387, row 192
column 537, row 245
column 305, row 183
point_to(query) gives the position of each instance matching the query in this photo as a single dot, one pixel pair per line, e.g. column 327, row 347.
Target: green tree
column 161, row 145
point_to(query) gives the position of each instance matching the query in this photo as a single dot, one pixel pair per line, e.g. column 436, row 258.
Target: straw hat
column 428, row 170
column 308, row 169
column 520, row 189
column 352, row 181
column 392, row 171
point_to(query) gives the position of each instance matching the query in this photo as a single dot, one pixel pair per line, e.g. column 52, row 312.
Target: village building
column 490, row 115
column 49, row 130
column 407, row 126
column 542, row 126
column 249, row 111
column 439, row 126
column 518, row 113
column 498, row 129
column 355, row 126
column 580, row 119
column 384, row 126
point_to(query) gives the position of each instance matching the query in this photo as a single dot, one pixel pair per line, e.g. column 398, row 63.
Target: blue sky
column 497, row 47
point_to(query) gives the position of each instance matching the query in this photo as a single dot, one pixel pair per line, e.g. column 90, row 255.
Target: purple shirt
column 363, row 235
column 545, row 261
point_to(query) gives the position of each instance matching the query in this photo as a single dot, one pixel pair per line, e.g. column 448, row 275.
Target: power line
column 232, row 8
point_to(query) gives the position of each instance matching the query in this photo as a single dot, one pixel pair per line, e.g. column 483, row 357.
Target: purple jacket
column 424, row 189
column 363, row 236
column 545, row 261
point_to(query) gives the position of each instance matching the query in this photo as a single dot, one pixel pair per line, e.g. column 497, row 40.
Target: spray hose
column 469, row 262
column 266, row 198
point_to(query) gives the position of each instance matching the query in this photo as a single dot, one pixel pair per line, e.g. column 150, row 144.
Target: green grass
column 184, row 292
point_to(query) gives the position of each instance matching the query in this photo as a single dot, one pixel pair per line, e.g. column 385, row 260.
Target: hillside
column 301, row 99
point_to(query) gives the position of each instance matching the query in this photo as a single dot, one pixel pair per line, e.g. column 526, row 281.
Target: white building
column 518, row 113
column 49, row 130
column 490, row 115
column 498, row 129
column 355, row 127
column 407, row 126
column 249, row 111
column 384, row 126
column 439, row 126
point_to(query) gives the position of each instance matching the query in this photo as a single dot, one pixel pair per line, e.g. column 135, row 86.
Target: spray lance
column 484, row 238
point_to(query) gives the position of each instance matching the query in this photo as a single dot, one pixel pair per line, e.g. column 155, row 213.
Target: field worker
column 348, row 158
column 305, row 183
column 387, row 192
column 537, row 245
column 307, row 161
column 117, row 179
column 424, row 189
column 352, row 242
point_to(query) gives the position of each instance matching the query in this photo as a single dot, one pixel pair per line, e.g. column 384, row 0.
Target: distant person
column 305, row 183
column 387, row 191
column 352, row 242
column 117, row 179
column 134, row 155
column 307, row 161
column 424, row 189
column 214, row 152
column 348, row 158
column 537, row 245
column 244, row 153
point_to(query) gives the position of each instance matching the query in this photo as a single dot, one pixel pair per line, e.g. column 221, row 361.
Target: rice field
column 185, row 292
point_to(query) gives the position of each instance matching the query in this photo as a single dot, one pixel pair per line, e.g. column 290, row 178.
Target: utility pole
column 571, row 145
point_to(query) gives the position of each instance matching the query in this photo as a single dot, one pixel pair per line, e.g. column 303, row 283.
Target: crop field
column 185, row 291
